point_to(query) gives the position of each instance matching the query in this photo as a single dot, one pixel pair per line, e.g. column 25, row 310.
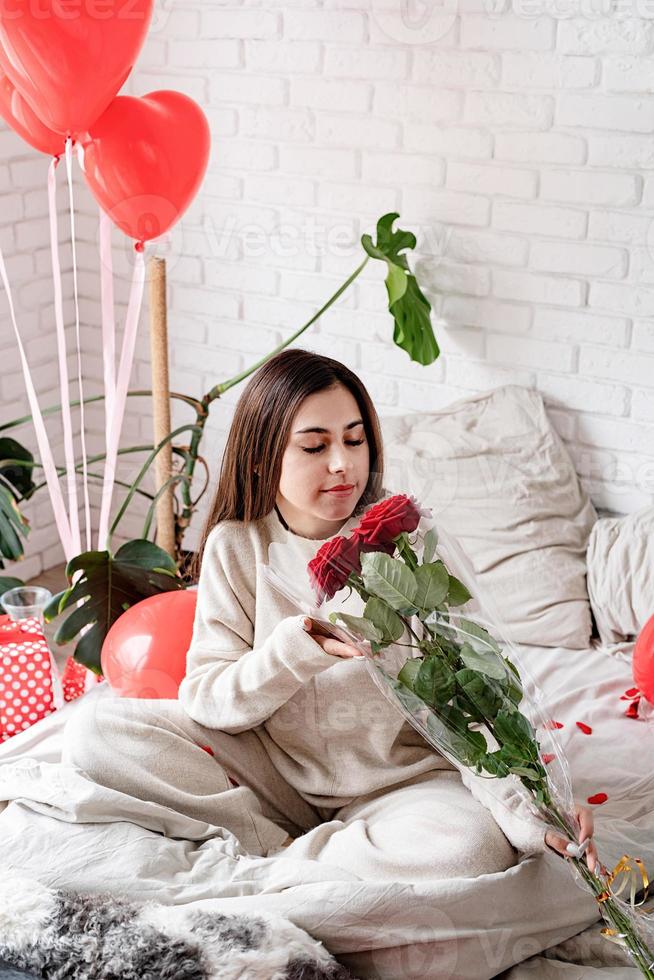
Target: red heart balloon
column 643, row 661
column 144, row 160
column 69, row 58
column 15, row 110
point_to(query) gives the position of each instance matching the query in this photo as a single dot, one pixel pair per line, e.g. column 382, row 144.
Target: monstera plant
column 101, row 584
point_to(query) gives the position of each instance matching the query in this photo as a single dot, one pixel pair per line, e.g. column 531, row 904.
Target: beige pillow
column 498, row 477
column 621, row 574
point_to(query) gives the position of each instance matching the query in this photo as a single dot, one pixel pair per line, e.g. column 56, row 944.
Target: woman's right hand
column 330, row 644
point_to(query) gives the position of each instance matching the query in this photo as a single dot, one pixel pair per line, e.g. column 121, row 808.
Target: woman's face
column 316, row 461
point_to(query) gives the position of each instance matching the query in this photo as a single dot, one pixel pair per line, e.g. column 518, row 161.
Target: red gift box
column 30, row 688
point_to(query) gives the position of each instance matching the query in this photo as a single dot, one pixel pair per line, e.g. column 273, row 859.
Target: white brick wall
column 513, row 136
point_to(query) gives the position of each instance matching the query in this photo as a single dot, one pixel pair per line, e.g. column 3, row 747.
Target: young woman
column 279, row 733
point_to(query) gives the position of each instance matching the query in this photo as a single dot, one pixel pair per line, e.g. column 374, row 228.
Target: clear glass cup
column 26, row 602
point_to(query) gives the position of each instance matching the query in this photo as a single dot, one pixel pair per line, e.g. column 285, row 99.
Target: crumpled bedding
column 53, row 826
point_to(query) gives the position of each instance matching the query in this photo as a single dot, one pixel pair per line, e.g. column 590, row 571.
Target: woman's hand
column 586, row 827
column 327, row 640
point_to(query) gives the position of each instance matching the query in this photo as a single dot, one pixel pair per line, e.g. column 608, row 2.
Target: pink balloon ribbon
column 87, row 503
column 108, row 319
column 51, row 476
column 71, row 476
column 122, row 382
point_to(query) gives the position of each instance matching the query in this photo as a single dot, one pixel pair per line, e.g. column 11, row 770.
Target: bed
column 497, row 475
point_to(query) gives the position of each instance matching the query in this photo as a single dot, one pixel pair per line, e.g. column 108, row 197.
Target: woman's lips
column 341, row 493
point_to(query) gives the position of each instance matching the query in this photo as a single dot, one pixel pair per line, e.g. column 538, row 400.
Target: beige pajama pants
column 429, row 827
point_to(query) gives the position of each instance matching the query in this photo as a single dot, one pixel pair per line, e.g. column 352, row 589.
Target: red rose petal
column 632, row 710
column 547, row 757
column 631, row 692
column 206, row 748
column 553, row 724
column 586, row 729
column 597, row 798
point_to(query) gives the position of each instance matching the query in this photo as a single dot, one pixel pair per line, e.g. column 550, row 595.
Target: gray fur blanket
column 66, row 935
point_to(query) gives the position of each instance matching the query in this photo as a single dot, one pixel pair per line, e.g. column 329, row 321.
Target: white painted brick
column 400, row 168
column 623, row 299
column 509, row 109
column 538, row 219
column 11, row 208
column 487, row 314
column 548, row 71
column 298, row 57
column 272, row 189
column 579, row 259
column 537, row 289
column 642, row 405
column 625, row 227
column 331, row 94
column 507, row 33
column 350, row 131
column 449, row 278
column 628, row 152
column 341, row 26
column 584, row 395
column 612, row 112
column 194, row 86
column 354, row 197
column 289, row 125
column 494, row 180
column 616, row 434
column 312, row 161
column 529, row 353
column 648, row 193
column 413, row 102
column 420, row 204
column 473, row 143
column 194, row 300
column 477, row 246
column 628, row 73
column 643, row 336
column 242, row 155
column 203, row 53
column 456, row 69
column 590, row 35
column 631, row 367
column 575, row 326
column 240, row 23
column 541, row 147
column 475, row 376
column 222, row 119
column 390, row 23
column 240, row 86
column 241, row 277
column 359, row 62
column 242, row 337
column 577, row 186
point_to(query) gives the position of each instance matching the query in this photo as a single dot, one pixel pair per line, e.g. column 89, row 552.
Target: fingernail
column 306, row 623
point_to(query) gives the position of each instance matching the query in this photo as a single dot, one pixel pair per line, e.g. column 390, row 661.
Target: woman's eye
column 317, row 449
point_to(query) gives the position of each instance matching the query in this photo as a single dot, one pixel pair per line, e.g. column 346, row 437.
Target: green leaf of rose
column 485, row 663
column 433, row 584
column 388, row 579
column 358, row 625
column 457, row 594
column 479, row 691
column 385, row 619
column 409, row 672
column 429, row 546
column 513, row 729
column 434, row 682
column 474, row 629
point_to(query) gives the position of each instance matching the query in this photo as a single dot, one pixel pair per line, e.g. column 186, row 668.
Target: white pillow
column 621, row 574
column 498, row 477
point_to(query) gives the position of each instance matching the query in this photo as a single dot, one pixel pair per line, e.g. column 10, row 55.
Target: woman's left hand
column 586, row 827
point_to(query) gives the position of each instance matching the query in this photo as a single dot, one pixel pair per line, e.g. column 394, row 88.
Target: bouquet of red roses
column 441, row 663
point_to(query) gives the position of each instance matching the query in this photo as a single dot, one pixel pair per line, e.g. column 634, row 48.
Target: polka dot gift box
column 30, row 687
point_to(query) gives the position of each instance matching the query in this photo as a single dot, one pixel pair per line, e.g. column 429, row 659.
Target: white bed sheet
column 580, row 685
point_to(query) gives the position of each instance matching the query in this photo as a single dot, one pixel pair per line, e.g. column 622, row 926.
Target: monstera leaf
column 407, row 303
column 20, row 477
column 108, row 585
column 12, row 525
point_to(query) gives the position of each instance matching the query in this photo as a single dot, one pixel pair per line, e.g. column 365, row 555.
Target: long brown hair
column 260, row 431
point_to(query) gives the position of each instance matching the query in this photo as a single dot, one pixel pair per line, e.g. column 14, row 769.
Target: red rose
column 332, row 564
column 385, row 521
